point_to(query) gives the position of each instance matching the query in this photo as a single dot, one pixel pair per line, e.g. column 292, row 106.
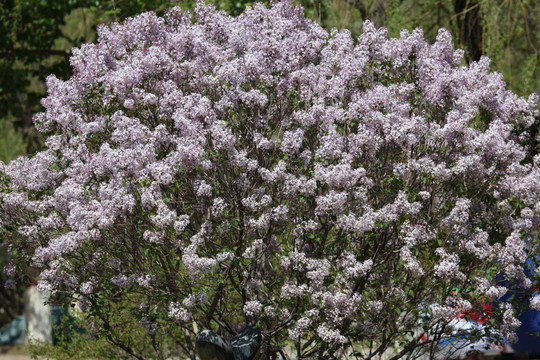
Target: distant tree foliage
column 11, row 141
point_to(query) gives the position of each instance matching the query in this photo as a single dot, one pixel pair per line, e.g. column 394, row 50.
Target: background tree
column 202, row 170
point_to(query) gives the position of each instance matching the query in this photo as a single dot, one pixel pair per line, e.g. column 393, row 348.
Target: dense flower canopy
column 262, row 169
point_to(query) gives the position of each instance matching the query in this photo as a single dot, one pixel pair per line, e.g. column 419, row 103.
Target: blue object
column 13, row 332
column 529, row 331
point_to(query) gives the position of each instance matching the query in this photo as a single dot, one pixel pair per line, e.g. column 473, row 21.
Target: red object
column 479, row 318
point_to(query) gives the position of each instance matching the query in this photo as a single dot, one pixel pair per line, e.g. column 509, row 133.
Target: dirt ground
column 13, row 352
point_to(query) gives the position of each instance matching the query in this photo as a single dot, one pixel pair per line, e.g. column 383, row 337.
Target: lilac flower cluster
column 261, row 166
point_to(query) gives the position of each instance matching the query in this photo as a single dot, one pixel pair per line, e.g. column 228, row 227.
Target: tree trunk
column 469, row 23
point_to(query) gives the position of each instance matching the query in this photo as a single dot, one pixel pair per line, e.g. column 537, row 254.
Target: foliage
column 207, row 171
column 512, row 39
column 11, row 141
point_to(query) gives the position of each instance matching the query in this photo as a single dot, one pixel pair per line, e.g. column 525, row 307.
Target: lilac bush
column 217, row 171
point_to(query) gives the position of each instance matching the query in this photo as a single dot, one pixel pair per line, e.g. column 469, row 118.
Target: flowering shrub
column 218, row 171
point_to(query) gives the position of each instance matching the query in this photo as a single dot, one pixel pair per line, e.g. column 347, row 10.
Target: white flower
column 252, row 308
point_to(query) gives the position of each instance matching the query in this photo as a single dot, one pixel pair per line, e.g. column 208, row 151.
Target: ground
column 13, row 352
